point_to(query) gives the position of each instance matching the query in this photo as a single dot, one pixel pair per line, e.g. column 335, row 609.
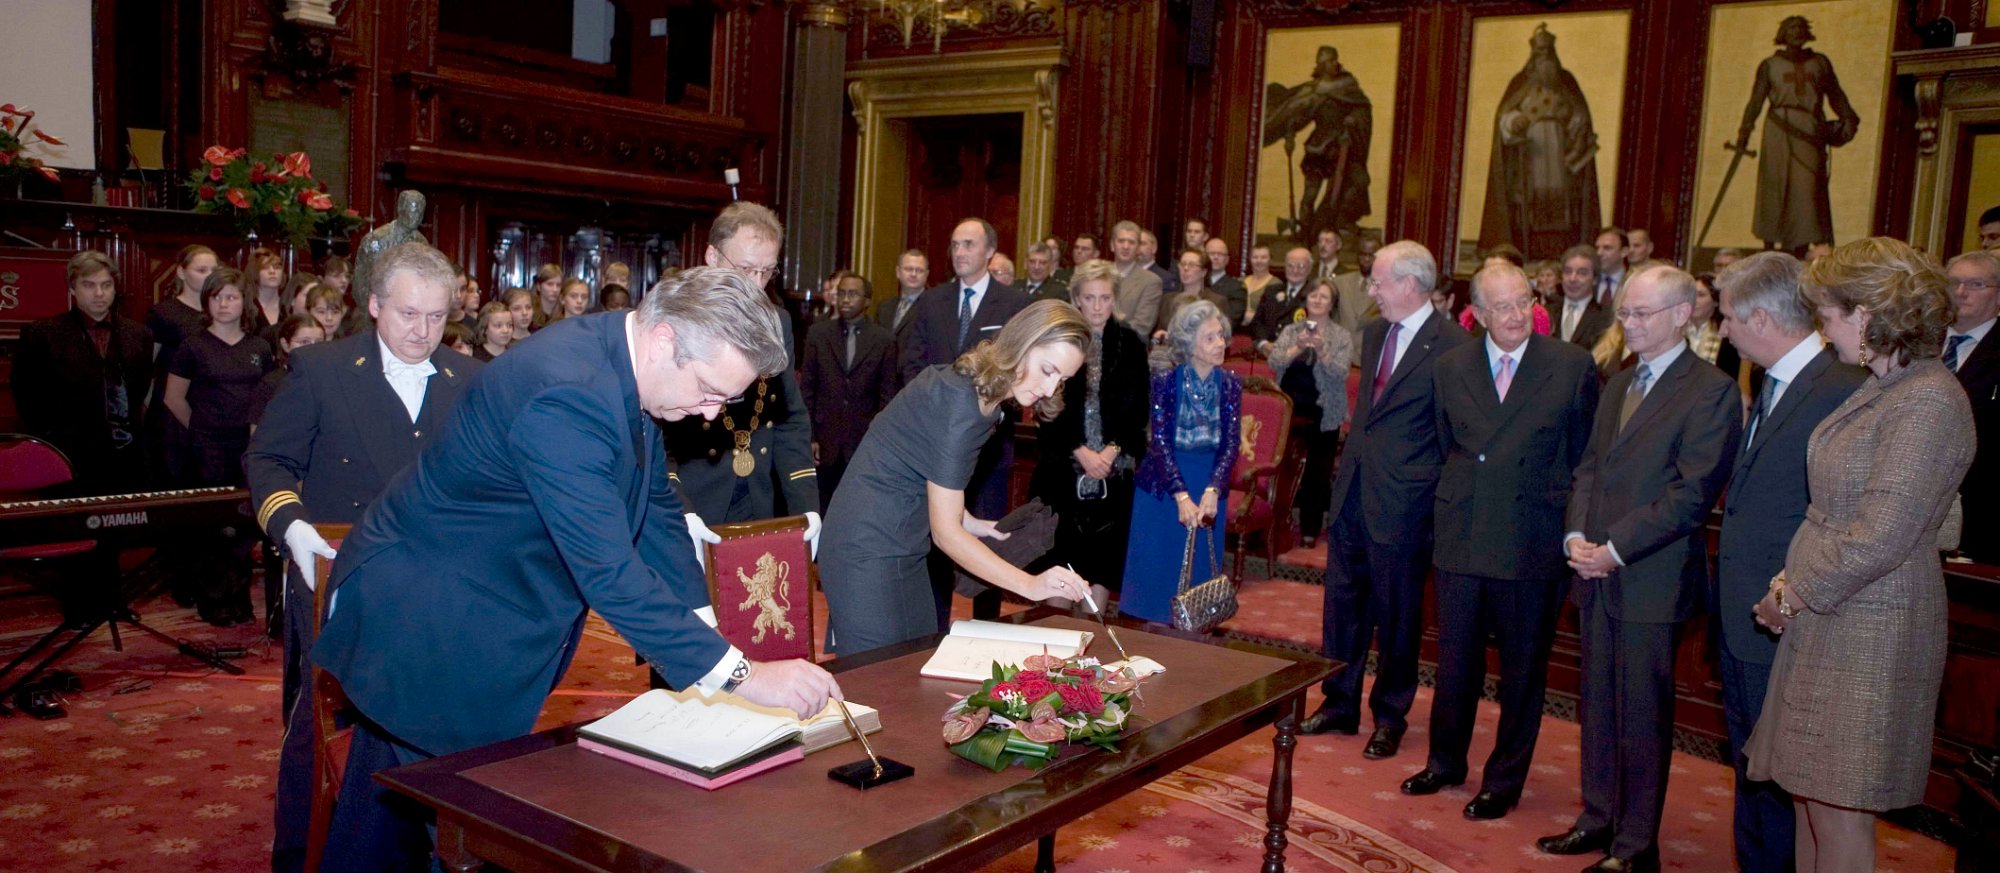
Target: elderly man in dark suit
column 1972, row 350
column 1379, row 545
column 549, row 463
column 1659, row 452
column 1514, row 413
column 353, row 413
column 80, row 380
column 847, row 375
column 1771, row 324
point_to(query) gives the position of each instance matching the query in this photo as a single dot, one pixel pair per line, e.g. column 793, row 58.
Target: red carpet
column 106, row 790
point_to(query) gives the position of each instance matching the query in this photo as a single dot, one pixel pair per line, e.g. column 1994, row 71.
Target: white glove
column 304, row 543
column 701, row 534
column 812, row 533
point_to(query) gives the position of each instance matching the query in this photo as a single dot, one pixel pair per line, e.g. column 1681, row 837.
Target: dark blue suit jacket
column 1393, row 453
column 462, row 593
column 1766, row 500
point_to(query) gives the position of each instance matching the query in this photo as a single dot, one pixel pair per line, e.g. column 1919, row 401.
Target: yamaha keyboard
column 139, row 519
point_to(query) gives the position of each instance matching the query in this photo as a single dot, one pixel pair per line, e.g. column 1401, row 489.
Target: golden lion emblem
column 1252, row 426
column 770, row 591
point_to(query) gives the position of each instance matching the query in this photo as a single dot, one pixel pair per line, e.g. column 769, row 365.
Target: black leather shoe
column 1383, row 744
column 1322, row 722
column 1486, row 805
column 1645, row 862
column 1576, row 841
column 1427, row 781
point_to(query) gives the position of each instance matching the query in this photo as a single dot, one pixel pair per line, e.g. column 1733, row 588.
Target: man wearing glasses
column 1660, row 450
column 735, row 466
column 459, row 599
column 1514, row 413
column 1973, row 352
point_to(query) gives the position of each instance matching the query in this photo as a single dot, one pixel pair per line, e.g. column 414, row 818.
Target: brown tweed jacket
column 1847, row 720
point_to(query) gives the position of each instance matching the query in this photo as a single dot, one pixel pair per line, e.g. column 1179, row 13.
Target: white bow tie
column 394, row 368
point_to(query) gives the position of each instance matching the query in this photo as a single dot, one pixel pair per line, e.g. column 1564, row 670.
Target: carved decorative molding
column 1927, row 116
column 909, row 28
column 820, row 13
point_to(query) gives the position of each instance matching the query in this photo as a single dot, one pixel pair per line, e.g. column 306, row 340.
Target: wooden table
column 541, row 803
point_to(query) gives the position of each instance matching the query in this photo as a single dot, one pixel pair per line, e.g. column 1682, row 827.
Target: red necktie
column 1388, row 364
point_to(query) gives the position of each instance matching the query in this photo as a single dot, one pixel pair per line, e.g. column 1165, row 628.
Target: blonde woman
column 904, row 491
column 1860, row 605
column 548, row 294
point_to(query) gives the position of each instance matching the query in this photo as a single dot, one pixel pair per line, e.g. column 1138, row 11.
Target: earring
column 1866, row 355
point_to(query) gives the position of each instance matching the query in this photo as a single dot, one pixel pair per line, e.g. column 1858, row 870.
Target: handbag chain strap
column 1187, row 559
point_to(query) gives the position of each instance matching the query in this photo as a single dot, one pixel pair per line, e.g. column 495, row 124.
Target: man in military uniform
column 353, row 413
column 733, row 468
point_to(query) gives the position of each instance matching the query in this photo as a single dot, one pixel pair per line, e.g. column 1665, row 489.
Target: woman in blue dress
column 1197, row 409
column 905, row 489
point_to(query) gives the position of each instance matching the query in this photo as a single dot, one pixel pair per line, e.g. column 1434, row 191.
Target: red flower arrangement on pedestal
column 16, row 134
column 280, row 193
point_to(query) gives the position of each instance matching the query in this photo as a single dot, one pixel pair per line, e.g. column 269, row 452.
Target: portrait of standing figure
column 1541, row 195
column 1793, row 210
column 1334, row 161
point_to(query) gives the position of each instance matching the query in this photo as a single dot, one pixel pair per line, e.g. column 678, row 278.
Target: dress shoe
column 1576, row 841
column 1322, row 722
column 1427, row 781
column 1645, row 862
column 1486, row 805
column 1383, row 744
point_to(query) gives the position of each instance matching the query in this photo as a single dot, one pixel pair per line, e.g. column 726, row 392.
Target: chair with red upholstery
column 1255, row 368
column 761, row 579
column 1254, row 495
column 30, row 469
column 1242, row 347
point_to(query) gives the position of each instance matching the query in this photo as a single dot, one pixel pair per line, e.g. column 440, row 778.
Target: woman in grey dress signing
column 904, row 491
column 1846, row 726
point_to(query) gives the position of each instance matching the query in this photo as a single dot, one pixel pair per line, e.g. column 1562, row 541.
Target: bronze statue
column 1541, row 183
column 1336, row 160
column 404, row 228
column 1792, row 207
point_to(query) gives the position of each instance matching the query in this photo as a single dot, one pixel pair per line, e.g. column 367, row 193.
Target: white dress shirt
column 1411, row 323
column 1654, row 368
column 1494, row 352
column 978, row 292
column 408, row 380
column 1978, row 334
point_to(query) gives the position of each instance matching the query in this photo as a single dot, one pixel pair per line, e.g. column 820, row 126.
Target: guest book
column 973, row 647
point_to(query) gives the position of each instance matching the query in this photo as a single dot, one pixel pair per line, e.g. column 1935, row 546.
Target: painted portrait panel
column 1545, row 101
column 1813, row 112
column 1329, row 118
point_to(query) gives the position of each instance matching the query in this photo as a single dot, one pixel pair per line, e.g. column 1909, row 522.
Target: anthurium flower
column 239, row 198
column 297, row 164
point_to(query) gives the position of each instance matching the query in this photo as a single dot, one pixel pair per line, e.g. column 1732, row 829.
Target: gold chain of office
column 741, row 460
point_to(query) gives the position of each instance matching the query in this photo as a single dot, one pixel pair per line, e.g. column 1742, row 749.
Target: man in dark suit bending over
column 1379, row 545
column 1771, row 324
column 1514, row 413
column 1660, row 450
column 551, row 462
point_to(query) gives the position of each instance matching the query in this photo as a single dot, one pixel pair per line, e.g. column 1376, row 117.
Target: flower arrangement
column 1026, row 715
column 16, row 134
column 258, row 194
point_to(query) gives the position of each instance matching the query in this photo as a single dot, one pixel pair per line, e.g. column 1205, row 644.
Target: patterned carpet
column 178, row 776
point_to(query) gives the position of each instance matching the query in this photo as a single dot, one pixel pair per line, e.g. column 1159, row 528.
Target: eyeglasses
column 759, row 275
column 1515, row 308
column 1629, row 314
column 1972, row 284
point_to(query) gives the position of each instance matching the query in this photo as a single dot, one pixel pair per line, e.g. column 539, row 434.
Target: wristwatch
column 736, row 675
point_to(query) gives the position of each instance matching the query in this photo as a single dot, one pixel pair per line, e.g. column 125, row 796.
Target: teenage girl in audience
column 295, row 332
column 209, row 386
column 295, row 294
column 521, row 305
column 575, row 300
column 267, row 302
column 1310, row 357
column 328, row 306
column 495, row 333
column 336, row 272
column 458, row 338
column 614, row 298
column 172, row 321
column 1255, row 281
column 548, row 294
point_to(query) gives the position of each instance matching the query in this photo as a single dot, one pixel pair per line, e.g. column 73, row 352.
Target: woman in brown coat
column 1846, row 726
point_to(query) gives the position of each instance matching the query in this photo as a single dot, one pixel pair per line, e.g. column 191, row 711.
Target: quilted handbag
column 1200, row 607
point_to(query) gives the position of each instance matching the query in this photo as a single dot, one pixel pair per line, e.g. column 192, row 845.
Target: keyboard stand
column 111, row 609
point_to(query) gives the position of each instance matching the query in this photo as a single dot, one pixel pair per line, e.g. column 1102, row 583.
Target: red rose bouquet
column 1026, row 715
column 280, row 192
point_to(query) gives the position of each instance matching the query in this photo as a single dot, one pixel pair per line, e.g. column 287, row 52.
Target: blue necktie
column 1951, row 351
column 964, row 318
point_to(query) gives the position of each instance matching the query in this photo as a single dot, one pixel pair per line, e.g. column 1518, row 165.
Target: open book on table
column 713, row 740
column 973, row 647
